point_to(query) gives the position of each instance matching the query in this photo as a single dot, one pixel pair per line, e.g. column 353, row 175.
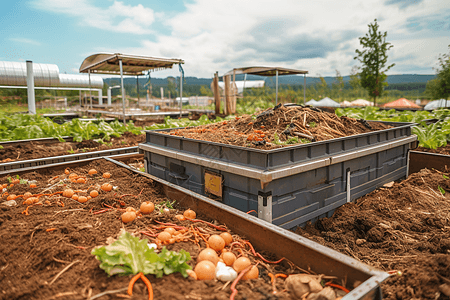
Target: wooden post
column 234, row 94
column 216, row 92
column 227, row 80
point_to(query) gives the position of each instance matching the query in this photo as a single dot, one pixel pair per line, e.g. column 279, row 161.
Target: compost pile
column 33, row 150
column 403, row 229
column 48, row 239
column 279, row 127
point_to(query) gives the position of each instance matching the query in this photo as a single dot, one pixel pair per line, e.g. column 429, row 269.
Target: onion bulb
column 216, row 242
column 170, row 230
column 190, row 214
column 92, row 172
column 205, row 270
column 241, row 263
column 107, row 187
column 226, row 237
column 253, row 273
column 228, row 258
column 106, row 175
column 93, row 193
column 82, row 199
column 147, row 207
column 191, row 274
column 164, row 236
column 68, row 193
column 208, row 254
column 180, row 217
column 27, row 195
column 128, row 216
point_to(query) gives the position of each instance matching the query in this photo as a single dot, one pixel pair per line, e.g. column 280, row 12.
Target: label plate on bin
column 213, row 183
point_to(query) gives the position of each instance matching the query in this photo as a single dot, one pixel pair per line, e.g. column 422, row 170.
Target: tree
column 338, row 85
column 373, row 58
column 440, row 86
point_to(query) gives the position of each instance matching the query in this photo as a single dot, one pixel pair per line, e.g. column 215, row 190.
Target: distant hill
column 270, row 81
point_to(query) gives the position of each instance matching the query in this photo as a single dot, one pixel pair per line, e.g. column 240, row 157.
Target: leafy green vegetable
column 130, row 255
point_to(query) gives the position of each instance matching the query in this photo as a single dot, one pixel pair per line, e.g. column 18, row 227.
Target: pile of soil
column 441, row 150
column 279, row 127
column 33, row 150
column 404, row 229
column 47, row 254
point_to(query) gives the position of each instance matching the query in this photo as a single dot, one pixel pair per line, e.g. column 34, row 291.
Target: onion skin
column 147, row 207
column 253, row 273
column 164, row 236
column 216, row 242
column 205, row 270
column 107, row 187
column 128, row 216
column 227, row 238
column 228, row 258
column 190, row 214
column 241, row 263
column 208, row 254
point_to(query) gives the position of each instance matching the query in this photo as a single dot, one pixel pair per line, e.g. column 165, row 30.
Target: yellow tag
column 213, row 184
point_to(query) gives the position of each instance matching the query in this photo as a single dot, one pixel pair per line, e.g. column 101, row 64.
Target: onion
column 92, row 172
column 75, row 197
column 147, row 207
column 170, row 230
column 81, row 180
column 93, row 193
column 189, row 214
column 191, row 274
column 68, row 193
column 241, row 263
column 216, row 242
column 106, row 175
column 107, row 187
column 82, row 199
column 253, row 273
column 208, row 254
column 228, row 258
column 205, row 270
column 164, row 236
column 128, row 216
column 27, row 195
column 226, row 237
column 180, row 217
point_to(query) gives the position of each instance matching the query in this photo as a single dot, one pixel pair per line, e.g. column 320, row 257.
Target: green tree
column 338, row 85
column 373, row 58
column 440, row 86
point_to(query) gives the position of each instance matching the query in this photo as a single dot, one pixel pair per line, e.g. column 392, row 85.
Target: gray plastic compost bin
column 287, row 186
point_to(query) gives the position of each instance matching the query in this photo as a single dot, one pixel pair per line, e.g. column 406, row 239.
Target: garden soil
column 403, row 229
column 47, row 253
column 441, row 150
column 279, row 127
column 34, row 150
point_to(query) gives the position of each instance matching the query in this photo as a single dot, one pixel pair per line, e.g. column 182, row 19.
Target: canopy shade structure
column 270, row 71
column 401, row 103
column 108, row 63
column 127, row 64
column 265, row 71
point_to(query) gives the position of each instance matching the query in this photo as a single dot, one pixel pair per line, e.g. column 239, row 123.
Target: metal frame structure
column 127, row 64
column 270, row 71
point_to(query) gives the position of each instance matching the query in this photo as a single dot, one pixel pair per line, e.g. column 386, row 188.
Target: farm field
column 49, row 253
column 403, row 229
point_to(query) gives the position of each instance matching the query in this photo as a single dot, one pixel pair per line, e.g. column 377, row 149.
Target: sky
column 219, row 35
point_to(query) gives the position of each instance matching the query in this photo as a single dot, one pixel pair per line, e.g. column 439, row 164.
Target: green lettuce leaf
column 130, row 255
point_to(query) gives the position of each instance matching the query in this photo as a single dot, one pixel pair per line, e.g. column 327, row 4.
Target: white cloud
column 118, row 17
column 319, row 36
column 25, row 41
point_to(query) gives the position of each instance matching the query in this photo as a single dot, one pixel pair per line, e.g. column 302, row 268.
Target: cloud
column 25, row 41
column 403, row 3
column 319, row 36
column 118, row 17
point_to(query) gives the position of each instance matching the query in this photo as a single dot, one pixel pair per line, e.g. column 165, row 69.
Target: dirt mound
column 403, row 228
column 279, row 127
column 33, row 150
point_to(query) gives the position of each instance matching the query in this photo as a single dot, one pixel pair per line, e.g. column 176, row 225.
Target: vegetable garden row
column 98, row 231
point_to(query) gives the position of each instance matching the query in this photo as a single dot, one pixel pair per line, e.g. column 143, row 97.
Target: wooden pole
column 216, row 92
column 227, row 80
